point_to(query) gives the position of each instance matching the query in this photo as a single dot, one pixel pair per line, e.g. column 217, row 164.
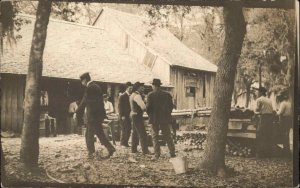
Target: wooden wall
column 178, row 80
column 12, row 96
column 61, row 92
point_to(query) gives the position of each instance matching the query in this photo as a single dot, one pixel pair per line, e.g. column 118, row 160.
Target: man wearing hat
column 159, row 109
column 264, row 128
column 93, row 102
column 138, row 107
column 124, row 114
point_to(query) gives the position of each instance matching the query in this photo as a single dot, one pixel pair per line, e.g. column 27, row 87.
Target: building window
column 149, row 59
column 190, row 91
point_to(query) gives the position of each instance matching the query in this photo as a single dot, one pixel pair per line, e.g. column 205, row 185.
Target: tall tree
column 30, row 134
column 235, row 29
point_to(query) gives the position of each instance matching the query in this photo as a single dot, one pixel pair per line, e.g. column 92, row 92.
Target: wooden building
column 191, row 75
column 70, row 50
column 113, row 51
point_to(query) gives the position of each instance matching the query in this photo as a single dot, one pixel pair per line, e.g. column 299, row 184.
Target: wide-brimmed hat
column 136, row 85
column 128, row 84
column 85, row 75
column 156, row 82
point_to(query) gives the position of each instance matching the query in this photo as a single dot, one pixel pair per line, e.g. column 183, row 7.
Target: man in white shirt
column 264, row 128
column 138, row 107
column 109, row 109
column 108, row 106
column 285, row 119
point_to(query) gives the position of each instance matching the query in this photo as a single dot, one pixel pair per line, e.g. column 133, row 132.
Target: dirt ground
column 65, row 159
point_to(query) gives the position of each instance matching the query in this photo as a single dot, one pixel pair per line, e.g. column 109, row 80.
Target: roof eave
column 194, row 69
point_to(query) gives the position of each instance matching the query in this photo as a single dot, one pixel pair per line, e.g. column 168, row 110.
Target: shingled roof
column 163, row 42
column 72, row 49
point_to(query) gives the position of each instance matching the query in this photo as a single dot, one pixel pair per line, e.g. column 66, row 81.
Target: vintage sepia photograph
column 149, row 93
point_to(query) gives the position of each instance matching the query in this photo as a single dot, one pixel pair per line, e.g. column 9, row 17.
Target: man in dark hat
column 263, row 132
column 124, row 114
column 93, row 102
column 138, row 107
column 159, row 109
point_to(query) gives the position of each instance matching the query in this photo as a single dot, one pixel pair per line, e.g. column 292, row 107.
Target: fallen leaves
column 130, row 159
column 86, row 166
column 57, row 155
column 66, row 161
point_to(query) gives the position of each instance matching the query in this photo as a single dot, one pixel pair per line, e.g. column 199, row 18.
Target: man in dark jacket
column 93, row 101
column 159, row 109
column 124, row 115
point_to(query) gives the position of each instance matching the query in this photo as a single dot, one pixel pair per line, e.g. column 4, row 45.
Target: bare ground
column 65, row 159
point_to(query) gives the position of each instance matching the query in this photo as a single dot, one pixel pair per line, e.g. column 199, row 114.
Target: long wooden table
column 243, row 128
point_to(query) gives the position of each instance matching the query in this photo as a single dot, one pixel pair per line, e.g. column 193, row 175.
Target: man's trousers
column 264, row 135
column 125, row 130
column 138, row 134
column 95, row 128
column 166, row 133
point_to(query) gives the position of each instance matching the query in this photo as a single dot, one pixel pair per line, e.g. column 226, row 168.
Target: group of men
column 265, row 110
column 131, row 107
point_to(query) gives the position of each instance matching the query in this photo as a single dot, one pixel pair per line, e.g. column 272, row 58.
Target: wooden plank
column 213, row 76
column 174, row 83
column 241, row 134
column 3, row 102
column 14, row 103
column 208, row 90
column 235, row 125
column 20, row 98
column 181, row 89
column 201, row 90
column 229, row 134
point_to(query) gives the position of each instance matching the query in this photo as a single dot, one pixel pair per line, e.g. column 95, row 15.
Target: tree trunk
column 235, row 29
column 30, row 134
